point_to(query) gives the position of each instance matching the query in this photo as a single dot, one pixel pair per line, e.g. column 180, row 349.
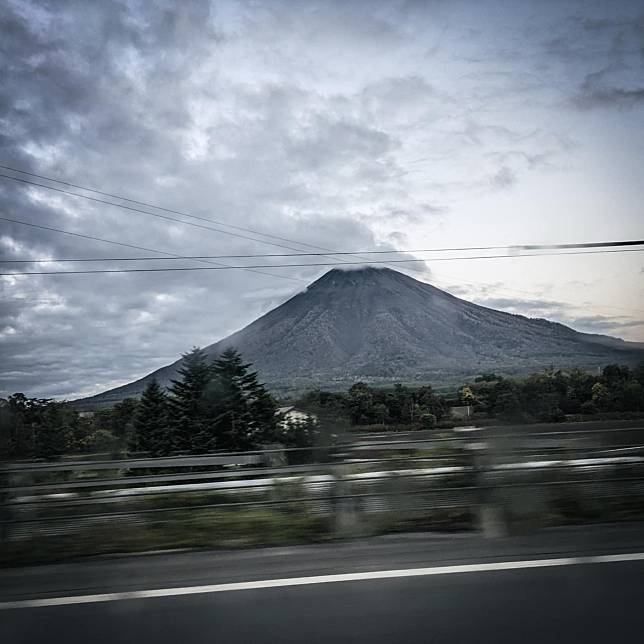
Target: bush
column 588, row 407
column 428, row 421
column 102, row 441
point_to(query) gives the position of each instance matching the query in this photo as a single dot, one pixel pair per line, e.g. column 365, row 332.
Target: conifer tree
column 51, row 432
column 242, row 411
column 186, row 403
column 152, row 431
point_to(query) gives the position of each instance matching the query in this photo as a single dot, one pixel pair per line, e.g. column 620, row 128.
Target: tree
column 152, row 432
column 50, row 437
column 542, row 395
column 615, row 374
column 263, row 409
column 18, row 430
column 186, row 405
column 119, row 420
column 600, row 396
column 123, row 418
column 466, row 396
column 428, row 421
column 35, row 427
column 431, row 402
column 638, row 373
column 578, row 392
column 507, row 403
column 633, row 396
column 360, row 403
column 241, row 411
column 81, row 437
column 380, row 413
column 102, row 441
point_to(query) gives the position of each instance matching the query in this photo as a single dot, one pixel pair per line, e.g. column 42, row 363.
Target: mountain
column 379, row 325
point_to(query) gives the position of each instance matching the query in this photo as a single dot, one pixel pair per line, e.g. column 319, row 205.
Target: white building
column 292, row 416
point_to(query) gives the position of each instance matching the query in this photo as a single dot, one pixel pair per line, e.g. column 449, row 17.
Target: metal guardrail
column 508, row 474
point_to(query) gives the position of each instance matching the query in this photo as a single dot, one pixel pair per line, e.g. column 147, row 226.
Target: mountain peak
column 350, row 271
column 350, row 276
column 361, row 270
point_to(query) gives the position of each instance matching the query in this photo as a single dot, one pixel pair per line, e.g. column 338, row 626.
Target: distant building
column 291, row 415
column 461, row 412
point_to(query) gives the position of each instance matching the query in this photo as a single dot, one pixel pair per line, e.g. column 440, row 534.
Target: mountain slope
column 380, row 325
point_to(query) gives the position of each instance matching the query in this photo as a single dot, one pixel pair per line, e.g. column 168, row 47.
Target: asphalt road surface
column 565, row 585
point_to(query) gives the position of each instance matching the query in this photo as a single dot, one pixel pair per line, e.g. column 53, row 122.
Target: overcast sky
column 344, row 125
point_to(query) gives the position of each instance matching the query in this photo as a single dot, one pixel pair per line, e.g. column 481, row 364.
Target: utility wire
column 317, row 264
column 125, row 245
column 511, row 250
column 202, row 259
column 329, row 252
column 171, row 256
column 145, row 212
column 147, row 205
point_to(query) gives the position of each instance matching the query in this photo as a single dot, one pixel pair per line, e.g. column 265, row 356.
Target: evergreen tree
column 152, row 432
column 242, row 411
column 18, row 426
column 51, row 432
column 186, row 402
column 360, row 403
column 262, row 410
column 34, row 426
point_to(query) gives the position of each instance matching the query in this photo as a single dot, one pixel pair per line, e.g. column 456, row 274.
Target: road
column 537, row 588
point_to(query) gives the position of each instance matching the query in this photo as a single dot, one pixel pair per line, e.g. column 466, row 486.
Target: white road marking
column 321, row 579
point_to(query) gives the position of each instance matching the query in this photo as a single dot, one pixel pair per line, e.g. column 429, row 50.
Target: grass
column 207, row 528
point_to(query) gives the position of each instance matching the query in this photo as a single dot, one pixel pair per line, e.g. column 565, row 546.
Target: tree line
column 222, row 406
column 547, row 396
column 551, row 396
column 365, row 405
column 210, row 406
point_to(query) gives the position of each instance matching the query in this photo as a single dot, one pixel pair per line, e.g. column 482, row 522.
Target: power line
column 202, row 259
column 329, row 253
column 357, row 252
column 171, row 256
column 146, row 212
column 193, row 257
column 317, row 264
column 125, row 245
column 147, row 205
column 628, row 242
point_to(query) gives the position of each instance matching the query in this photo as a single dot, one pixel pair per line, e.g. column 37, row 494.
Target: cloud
column 595, row 92
column 559, row 311
column 523, row 304
column 321, row 125
column 503, row 179
column 604, row 323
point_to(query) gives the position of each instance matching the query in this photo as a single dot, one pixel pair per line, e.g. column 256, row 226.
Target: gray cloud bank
column 343, row 125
